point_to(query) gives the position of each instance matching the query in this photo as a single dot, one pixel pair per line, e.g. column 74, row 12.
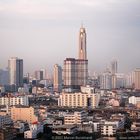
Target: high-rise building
column 39, row 75
column 4, row 76
column 82, row 44
column 57, row 78
column 137, row 78
column 106, row 80
column 15, row 66
column 114, row 67
column 75, row 72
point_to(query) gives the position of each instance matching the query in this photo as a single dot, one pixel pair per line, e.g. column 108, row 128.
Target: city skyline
column 31, row 30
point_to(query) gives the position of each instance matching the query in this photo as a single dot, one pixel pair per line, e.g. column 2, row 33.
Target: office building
column 137, row 78
column 114, row 67
column 106, row 80
column 4, row 77
column 15, row 66
column 75, row 72
column 38, row 75
column 57, row 78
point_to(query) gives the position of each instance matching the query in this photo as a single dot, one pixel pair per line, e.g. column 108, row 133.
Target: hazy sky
column 45, row 32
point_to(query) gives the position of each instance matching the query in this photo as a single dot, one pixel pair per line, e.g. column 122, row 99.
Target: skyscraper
column 137, row 78
column 39, row 75
column 76, row 70
column 114, row 67
column 106, row 80
column 57, row 78
column 82, row 44
column 15, row 66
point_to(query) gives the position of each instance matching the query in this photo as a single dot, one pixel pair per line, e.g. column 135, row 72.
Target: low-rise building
column 5, row 119
column 75, row 117
column 64, row 129
column 35, row 129
column 109, row 128
column 7, row 133
column 21, row 126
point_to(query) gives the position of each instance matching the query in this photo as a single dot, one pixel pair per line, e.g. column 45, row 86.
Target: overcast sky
column 45, row 32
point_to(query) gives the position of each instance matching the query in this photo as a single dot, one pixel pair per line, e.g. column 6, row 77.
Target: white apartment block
column 75, row 117
column 79, row 99
column 14, row 100
column 109, row 128
column 134, row 100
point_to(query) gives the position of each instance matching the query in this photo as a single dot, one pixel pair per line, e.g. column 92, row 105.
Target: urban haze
column 46, row 32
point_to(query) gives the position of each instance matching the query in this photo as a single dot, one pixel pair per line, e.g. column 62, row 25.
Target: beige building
column 24, row 113
column 79, row 99
column 57, row 78
column 137, row 79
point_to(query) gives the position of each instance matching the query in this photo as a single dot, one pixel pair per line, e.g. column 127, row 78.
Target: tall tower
column 82, row 44
column 57, row 78
column 114, row 67
column 15, row 66
column 137, row 78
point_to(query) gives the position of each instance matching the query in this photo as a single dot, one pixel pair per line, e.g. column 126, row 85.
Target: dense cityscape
column 70, row 104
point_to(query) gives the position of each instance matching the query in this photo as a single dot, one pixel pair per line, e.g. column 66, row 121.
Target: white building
column 129, row 80
column 14, row 100
column 106, row 80
column 134, row 100
column 87, row 89
column 79, row 99
column 120, row 82
column 75, row 117
column 109, row 128
column 35, row 129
